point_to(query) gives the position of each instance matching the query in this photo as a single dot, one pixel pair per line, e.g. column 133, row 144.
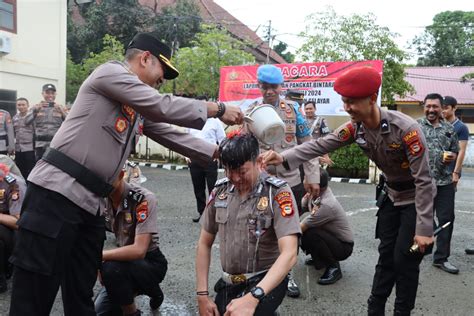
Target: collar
column 384, row 124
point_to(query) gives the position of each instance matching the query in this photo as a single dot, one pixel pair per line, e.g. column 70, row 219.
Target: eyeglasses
column 268, row 86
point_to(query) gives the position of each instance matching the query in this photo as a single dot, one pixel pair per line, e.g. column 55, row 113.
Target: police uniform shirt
column 136, row 214
column 269, row 211
column 331, row 217
column 12, row 193
column 7, row 137
column 439, row 139
column 23, row 134
column 318, row 126
column 47, row 121
column 397, row 147
column 113, row 106
column 296, row 131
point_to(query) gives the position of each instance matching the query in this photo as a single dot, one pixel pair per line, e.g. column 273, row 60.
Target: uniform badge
column 411, row 137
column 120, row 124
column 285, row 202
column 128, row 217
column 345, row 132
column 142, row 211
column 415, row 148
column 15, row 196
column 289, row 138
column 2, row 193
column 222, row 196
column 405, row 165
column 262, row 203
column 394, row 146
column 129, row 111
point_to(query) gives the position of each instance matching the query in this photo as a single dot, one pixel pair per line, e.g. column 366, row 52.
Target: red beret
column 358, row 82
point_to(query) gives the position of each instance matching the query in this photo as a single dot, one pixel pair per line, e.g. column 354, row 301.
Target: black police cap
column 49, row 86
column 149, row 42
column 295, row 94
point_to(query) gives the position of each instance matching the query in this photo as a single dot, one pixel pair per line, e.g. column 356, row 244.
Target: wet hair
column 310, row 102
column 237, row 150
column 23, row 99
column 323, row 178
column 448, row 100
column 434, row 96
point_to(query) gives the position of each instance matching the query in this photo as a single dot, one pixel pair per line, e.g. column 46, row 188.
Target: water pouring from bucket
column 265, row 123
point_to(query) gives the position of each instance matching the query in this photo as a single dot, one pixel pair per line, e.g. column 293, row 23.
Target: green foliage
column 330, row 37
column 448, row 41
column 280, row 49
column 200, row 64
column 77, row 73
column 350, row 157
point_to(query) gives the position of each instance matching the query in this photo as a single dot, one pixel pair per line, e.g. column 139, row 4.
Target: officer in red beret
column 396, row 144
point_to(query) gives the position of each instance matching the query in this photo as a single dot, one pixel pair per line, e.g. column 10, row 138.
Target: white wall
column 38, row 50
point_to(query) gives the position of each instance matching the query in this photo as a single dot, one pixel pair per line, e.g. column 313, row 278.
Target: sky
column 405, row 17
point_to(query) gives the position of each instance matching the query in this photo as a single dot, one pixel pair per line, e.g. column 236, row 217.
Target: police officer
column 24, row 150
column 7, row 136
column 133, row 174
column 442, row 144
column 12, row 192
column 318, row 127
column 327, row 235
column 137, row 266
column 61, row 231
column 396, row 144
column 270, row 80
column 46, row 118
column 295, row 96
column 257, row 222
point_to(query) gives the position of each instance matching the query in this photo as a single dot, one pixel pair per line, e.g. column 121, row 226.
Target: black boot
column 331, row 275
column 157, row 299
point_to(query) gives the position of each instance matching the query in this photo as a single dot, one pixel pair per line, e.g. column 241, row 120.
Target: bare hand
column 455, row 179
column 206, row 306
column 447, row 159
column 232, row 115
column 423, row 242
column 187, row 160
column 326, row 160
column 271, row 158
column 244, row 306
column 312, row 188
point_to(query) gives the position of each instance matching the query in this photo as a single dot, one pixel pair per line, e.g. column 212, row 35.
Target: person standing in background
column 24, row 147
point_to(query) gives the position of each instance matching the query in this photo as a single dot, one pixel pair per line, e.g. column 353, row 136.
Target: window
column 8, row 101
column 8, row 15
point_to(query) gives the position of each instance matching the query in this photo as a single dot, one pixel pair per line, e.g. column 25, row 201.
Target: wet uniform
column 24, row 150
column 296, row 131
column 46, row 122
column 7, row 136
column 61, row 224
column 248, row 232
column 137, row 214
column 398, row 148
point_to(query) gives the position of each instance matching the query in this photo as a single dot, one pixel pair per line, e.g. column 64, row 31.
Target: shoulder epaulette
column 131, row 163
column 136, row 196
column 221, row 182
column 275, row 181
column 10, row 179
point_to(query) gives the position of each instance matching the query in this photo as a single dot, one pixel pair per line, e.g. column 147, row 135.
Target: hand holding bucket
column 265, row 123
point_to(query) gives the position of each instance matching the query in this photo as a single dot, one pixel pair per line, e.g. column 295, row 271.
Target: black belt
column 43, row 138
column 83, row 175
column 5, row 137
column 401, row 186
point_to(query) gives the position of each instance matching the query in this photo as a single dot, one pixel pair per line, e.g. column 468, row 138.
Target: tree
column 77, row 73
column 120, row 18
column 200, row 64
column 448, row 41
column 280, row 49
column 330, row 37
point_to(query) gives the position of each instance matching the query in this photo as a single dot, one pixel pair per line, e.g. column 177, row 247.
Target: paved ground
column 439, row 293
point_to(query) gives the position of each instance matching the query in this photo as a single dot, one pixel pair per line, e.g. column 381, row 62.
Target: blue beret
column 358, row 82
column 269, row 74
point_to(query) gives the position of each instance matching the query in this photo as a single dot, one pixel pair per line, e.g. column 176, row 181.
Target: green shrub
column 350, row 158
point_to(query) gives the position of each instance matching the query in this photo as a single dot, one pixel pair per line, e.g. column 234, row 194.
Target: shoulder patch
column 221, row 182
column 275, row 181
column 10, row 179
column 285, row 202
column 345, row 132
column 142, row 211
column 137, row 197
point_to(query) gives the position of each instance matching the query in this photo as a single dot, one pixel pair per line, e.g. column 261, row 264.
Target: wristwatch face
column 257, row 292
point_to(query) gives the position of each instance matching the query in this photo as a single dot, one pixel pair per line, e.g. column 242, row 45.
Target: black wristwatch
column 257, row 292
column 220, row 109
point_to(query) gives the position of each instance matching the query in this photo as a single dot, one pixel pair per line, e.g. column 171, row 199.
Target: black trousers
column 6, row 245
column 396, row 265
column 267, row 306
column 123, row 280
column 298, row 192
column 25, row 160
column 444, row 211
column 57, row 244
column 201, row 176
column 324, row 247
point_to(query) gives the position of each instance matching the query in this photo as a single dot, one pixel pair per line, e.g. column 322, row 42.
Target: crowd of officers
column 74, row 194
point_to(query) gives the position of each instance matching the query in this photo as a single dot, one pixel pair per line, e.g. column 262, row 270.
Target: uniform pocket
column 117, row 128
column 222, row 214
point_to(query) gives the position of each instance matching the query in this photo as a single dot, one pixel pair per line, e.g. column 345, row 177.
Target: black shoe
column 292, row 290
column 331, row 275
column 470, row 251
column 3, row 284
column 447, row 267
column 157, row 299
column 196, row 220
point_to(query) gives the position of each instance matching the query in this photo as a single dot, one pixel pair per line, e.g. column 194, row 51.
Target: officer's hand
column 232, row 115
column 38, row 107
column 423, row 242
column 11, row 152
column 312, row 188
column 187, row 160
column 206, row 306
column 243, row 306
column 326, row 160
column 271, row 158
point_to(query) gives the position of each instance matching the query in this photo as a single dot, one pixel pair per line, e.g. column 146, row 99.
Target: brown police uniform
column 137, row 214
column 318, row 126
column 61, row 224
column 398, row 148
column 7, row 136
column 248, row 231
column 24, row 150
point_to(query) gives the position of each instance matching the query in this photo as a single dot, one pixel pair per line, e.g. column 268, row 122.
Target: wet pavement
column 439, row 293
